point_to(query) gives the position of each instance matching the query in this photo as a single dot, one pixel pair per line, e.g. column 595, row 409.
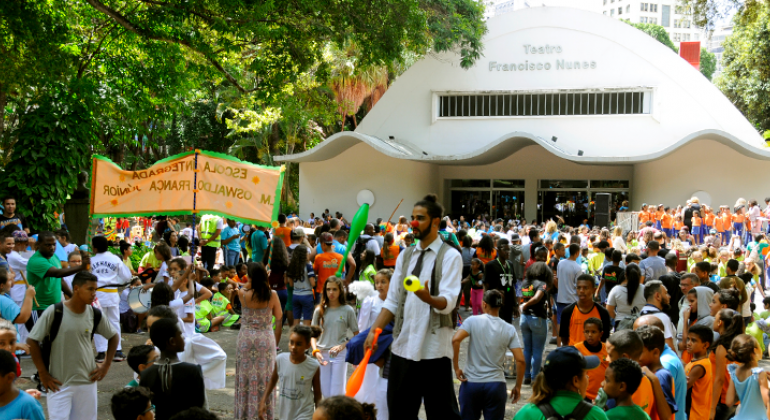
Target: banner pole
column 193, row 248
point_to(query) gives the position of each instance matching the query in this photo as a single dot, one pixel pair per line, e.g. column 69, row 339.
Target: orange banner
column 225, row 186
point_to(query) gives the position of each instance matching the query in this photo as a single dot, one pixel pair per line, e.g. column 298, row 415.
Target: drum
column 139, row 300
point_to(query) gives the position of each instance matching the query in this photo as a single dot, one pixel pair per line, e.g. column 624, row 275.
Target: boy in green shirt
column 621, row 380
column 220, row 305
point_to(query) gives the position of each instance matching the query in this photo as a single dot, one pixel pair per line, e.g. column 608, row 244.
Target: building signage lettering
column 558, row 64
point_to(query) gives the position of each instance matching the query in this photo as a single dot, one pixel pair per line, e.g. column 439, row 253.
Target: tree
column 708, row 63
column 656, row 31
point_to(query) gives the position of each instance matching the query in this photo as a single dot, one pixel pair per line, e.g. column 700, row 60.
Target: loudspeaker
column 602, row 209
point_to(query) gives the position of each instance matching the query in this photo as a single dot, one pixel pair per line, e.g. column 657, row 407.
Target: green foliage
column 136, row 258
column 745, row 78
column 708, row 63
column 656, row 31
column 54, row 144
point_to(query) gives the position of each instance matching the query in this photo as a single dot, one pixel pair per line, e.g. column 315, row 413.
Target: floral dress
column 254, row 363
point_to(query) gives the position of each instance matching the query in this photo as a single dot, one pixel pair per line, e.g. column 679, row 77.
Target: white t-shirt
column 619, row 299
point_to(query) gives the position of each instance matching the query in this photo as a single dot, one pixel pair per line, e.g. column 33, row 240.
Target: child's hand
column 320, row 358
column 33, row 393
column 22, row 346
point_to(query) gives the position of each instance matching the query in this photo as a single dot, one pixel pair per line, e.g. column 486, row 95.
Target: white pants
column 374, row 390
column 22, row 328
column 334, row 376
column 74, row 402
column 201, row 350
column 112, row 313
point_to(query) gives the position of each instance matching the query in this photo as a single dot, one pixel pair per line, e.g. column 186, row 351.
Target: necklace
column 506, row 274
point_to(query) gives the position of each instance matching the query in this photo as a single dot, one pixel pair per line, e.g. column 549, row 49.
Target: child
column 140, row 358
column 593, row 346
column 697, row 233
column 699, row 378
column 367, row 262
column 729, row 324
column 129, row 321
column 339, row 408
column 8, row 341
column 389, row 252
column 221, row 309
column 175, row 385
column 329, row 348
column 622, row 379
column 475, row 278
column 15, row 404
column 654, row 344
column 300, row 277
column 678, row 224
column 627, row 344
column 748, row 381
column 300, row 378
column 132, row 404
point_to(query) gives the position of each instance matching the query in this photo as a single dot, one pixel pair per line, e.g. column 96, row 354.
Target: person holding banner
column 209, row 230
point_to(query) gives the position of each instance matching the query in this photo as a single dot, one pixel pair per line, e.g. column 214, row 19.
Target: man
column 568, row 272
column 327, row 264
column 209, row 230
column 110, row 272
column 44, row 271
column 516, row 257
column 499, row 275
column 559, row 251
column 336, row 232
column 368, row 238
column 258, row 244
column 7, row 245
column 660, row 238
column 9, row 216
column 671, row 281
column 657, row 298
column 71, row 375
column 421, row 352
column 653, row 266
column 702, row 269
column 573, row 317
column 231, row 242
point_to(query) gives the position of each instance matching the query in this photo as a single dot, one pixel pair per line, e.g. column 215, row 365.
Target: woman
column 125, row 253
column 279, row 262
column 486, row 251
column 617, row 240
column 172, row 238
column 255, row 357
column 551, row 230
column 627, row 298
column 534, row 315
column 468, row 253
column 402, row 226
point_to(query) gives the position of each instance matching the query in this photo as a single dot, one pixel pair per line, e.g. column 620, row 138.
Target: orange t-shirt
column 726, row 373
column 576, row 334
column 708, row 220
column 678, row 225
column 659, row 215
column 666, row 221
column 325, row 266
column 696, row 221
column 393, row 250
column 701, row 391
column 595, row 376
column 718, row 225
column 727, row 221
column 738, row 218
column 643, row 397
column 284, row 233
column 484, row 257
column 643, row 217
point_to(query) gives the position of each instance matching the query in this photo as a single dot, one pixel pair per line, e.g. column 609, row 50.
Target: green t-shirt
column 219, row 304
column 632, row 412
column 369, row 273
column 564, row 402
column 48, row 289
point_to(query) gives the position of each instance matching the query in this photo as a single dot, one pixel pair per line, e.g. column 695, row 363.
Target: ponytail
column 633, row 275
column 540, row 390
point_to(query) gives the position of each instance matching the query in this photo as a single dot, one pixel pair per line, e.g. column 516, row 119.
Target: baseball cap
column 296, row 233
column 515, row 237
column 713, row 231
column 565, row 363
column 327, row 238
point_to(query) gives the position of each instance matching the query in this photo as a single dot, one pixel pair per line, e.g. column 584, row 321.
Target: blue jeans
column 231, row 257
column 486, row 397
column 534, row 330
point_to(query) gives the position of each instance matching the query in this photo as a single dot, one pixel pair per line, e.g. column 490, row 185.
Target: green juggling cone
column 358, row 224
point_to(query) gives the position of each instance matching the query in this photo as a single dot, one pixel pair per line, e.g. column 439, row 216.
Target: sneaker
column 527, row 381
column 139, row 331
column 119, row 356
column 100, row 357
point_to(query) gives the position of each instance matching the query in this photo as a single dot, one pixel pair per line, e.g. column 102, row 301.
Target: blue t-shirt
column 258, row 245
column 23, row 407
column 9, row 310
column 667, row 384
column 337, row 247
column 674, row 365
column 235, row 244
column 60, row 252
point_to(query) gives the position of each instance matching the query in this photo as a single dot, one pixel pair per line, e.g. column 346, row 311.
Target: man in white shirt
column 110, row 272
column 421, row 364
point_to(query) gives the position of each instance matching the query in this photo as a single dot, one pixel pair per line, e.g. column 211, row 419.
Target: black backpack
column 358, row 249
column 579, row 413
column 58, row 313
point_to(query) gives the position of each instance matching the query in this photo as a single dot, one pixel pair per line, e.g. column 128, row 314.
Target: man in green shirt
column 45, row 273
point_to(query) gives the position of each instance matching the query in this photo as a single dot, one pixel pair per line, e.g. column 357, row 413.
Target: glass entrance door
column 507, row 205
column 572, row 206
column 470, row 204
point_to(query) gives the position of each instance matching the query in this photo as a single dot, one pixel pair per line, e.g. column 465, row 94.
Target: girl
column 534, row 316
column 628, row 297
column 739, row 218
column 279, row 262
column 375, row 388
column 171, row 238
column 697, row 232
column 678, row 224
column 617, row 239
column 163, row 254
column 486, row 251
column 475, row 279
column 367, row 262
column 126, row 251
column 748, row 381
column 301, row 277
column 179, row 271
column 631, row 241
column 299, row 375
column 697, row 312
column 659, row 217
column 335, row 317
column 184, row 245
column 402, row 226
column 729, row 324
column 389, row 252
column 256, row 349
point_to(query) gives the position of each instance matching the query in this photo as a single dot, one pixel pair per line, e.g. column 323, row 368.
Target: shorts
column 696, row 230
column 230, row 319
column 303, row 307
column 203, row 325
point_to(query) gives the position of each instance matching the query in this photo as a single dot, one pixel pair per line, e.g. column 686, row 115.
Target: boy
column 15, row 404
column 8, row 308
column 140, row 358
column 699, row 378
column 593, row 346
column 627, row 344
column 132, row 404
column 612, row 274
column 221, row 307
column 72, row 373
column 654, row 344
column 622, row 379
column 574, row 315
column 175, row 385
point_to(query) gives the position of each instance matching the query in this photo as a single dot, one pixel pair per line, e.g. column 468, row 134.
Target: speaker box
column 602, row 220
column 602, row 209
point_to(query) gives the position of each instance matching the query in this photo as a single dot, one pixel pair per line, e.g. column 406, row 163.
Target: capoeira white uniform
column 19, row 289
column 374, row 389
column 109, row 270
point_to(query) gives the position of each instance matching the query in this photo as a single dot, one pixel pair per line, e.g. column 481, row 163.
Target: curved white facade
column 544, row 54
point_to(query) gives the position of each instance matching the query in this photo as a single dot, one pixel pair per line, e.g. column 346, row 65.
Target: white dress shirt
column 415, row 341
column 370, row 310
column 109, row 269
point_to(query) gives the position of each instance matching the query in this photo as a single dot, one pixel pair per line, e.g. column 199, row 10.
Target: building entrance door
column 572, row 206
column 507, row 205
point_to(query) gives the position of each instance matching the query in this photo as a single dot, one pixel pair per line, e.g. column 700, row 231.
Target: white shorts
column 74, row 402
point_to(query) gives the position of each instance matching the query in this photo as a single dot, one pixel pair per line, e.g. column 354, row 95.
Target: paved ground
column 221, row 401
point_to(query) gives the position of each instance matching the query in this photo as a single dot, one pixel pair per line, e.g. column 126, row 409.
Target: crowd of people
column 658, row 322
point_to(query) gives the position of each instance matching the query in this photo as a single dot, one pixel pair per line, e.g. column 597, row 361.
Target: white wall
column 706, row 166
column 334, row 183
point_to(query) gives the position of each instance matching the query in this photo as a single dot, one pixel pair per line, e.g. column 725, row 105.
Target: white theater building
column 564, row 104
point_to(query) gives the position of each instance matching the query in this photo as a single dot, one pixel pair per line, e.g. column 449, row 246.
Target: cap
column 297, row 233
column 20, row 236
column 565, row 363
column 713, row 231
column 327, row 238
column 515, row 237
column 246, row 228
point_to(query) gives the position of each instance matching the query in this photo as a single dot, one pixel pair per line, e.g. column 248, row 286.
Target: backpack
column 628, row 322
column 58, row 313
column 579, row 413
column 358, row 249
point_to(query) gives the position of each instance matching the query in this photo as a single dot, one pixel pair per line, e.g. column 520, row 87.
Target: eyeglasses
column 152, row 408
